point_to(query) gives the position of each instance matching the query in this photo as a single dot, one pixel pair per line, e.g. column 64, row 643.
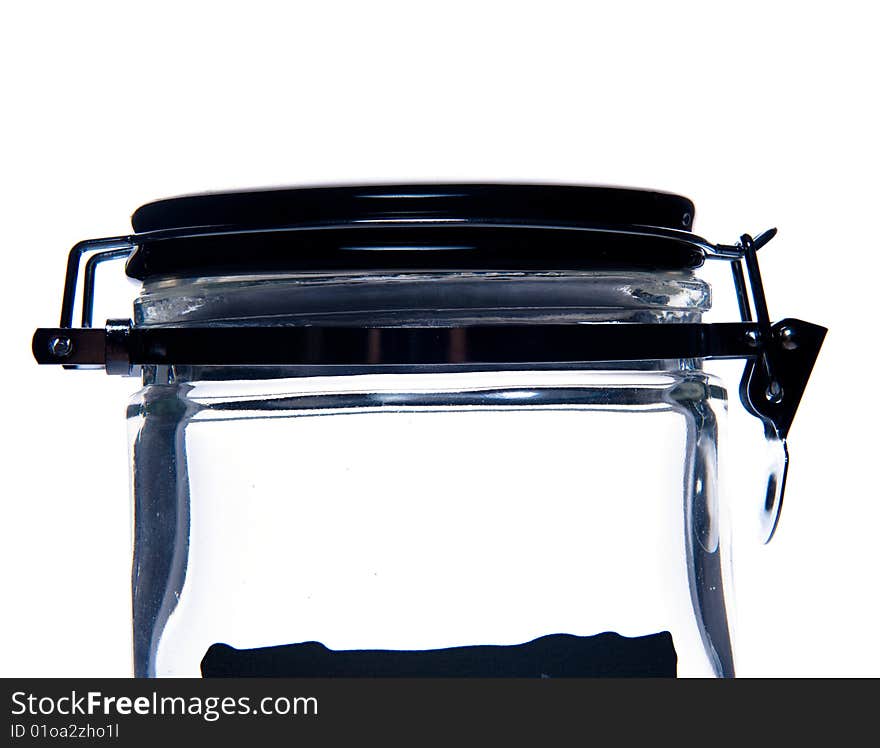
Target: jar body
column 427, row 511
column 434, row 507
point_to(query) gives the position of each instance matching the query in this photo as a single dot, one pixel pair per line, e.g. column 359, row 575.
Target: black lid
column 415, row 227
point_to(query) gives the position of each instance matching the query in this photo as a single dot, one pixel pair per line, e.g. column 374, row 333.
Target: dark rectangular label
column 554, row 656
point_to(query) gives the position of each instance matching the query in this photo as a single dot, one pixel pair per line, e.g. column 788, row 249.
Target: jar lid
column 415, row 227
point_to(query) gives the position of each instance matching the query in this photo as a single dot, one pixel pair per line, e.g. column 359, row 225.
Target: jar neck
column 443, row 299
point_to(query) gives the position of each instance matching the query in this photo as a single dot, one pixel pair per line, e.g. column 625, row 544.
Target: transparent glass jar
column 435, row 430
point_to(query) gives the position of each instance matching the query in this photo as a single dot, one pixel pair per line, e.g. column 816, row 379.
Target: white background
column 763, row 113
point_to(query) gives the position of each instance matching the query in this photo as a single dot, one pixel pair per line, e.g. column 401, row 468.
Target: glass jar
column 468, row 432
